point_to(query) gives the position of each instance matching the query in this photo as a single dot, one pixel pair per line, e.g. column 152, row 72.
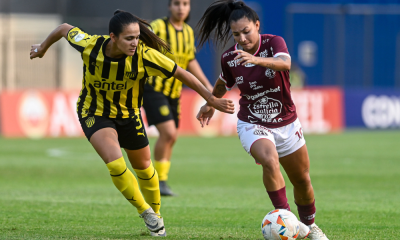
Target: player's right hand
column 222, row 104
column 205, row 114
column 36, row 51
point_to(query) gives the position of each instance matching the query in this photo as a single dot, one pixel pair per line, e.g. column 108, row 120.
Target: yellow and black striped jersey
column 114, row 87
column 183, row 51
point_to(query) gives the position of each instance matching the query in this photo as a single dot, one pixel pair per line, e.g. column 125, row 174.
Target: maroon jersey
column 265, row 93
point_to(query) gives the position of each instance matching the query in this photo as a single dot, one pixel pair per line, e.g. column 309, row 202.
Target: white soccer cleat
column 152, row 220
column 316, row 233
column 160, row 233
column 304, row 231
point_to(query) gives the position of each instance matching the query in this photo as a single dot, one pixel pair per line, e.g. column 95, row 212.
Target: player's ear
column 113, row 37
column 258, row 25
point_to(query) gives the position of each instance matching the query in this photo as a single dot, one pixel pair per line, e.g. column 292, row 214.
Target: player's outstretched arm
column 206, row 111
column 38, row 50
column 223, row 105
column 195, row 69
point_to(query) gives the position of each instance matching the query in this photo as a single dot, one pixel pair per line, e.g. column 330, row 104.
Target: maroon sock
column 307, row 213
column 279, row 199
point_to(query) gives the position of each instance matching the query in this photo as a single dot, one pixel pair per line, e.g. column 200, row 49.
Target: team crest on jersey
column 264, row 53
column 90, row 122
column 73, row 34
column 270, row 73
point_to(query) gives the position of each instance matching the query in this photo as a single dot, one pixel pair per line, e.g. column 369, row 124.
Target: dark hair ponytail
column 218, row 18
column 122, row 18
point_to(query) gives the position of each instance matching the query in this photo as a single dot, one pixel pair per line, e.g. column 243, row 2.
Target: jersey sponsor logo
column 254, row 86
column 227, row 54
column 266, row 109
column 110, row 86
column 239, row 80
column 264, row 41
column 90, row 122
column 73, row 34
column 270, row 73
column 233, row 63
column 261, row 130
column 79, row 37
column 264, row 53
column 249, row 128
column 131, row 75
column 261, row 94
column 249, row 65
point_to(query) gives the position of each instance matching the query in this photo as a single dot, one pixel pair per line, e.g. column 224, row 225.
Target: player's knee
column 169, row 136
column 270, row 162
column 303, row 181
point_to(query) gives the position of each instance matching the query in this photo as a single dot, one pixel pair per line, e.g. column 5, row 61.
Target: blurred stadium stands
column 352, row 47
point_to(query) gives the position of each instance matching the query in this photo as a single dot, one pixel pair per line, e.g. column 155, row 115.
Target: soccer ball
column 280, row 224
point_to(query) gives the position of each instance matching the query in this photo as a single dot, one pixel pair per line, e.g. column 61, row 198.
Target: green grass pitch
column 60, row 189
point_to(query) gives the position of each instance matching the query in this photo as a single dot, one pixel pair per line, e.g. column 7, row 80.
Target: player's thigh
column 101, row 133
column 297, row 166
column 258, row 141
column 157, row 107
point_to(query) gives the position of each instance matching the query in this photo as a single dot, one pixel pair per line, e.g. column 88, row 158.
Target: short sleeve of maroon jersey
column 226, row 75
column 278, row 46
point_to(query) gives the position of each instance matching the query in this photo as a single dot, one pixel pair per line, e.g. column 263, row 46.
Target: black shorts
column 131, row 132
column 160, row 108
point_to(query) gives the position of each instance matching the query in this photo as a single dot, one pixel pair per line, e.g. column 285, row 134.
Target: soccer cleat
column 165, row 190
column 152, row 220
column 160, row 233
column 316, row 233
column 304, row 231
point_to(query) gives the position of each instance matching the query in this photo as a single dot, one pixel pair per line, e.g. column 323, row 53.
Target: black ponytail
column 218, row 18
column 122, row 18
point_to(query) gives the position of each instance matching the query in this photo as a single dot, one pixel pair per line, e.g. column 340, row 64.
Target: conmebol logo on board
column 381, row 111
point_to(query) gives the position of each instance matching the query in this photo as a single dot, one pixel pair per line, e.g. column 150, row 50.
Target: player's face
column 179, row 9
column 128, row 39
column 245, row 32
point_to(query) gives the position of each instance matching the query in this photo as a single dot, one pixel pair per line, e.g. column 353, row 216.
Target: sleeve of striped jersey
column 226, row 75
column 155, row 27
column 278, row 47
column 157, row 64
column 192, row 53
column 79, row 39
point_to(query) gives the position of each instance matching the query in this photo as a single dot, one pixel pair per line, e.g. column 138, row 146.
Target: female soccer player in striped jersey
column 268, row 127
column 161, row 100
column 115, row 68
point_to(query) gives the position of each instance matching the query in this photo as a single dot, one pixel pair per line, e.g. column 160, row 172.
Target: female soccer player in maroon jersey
column 268, row 127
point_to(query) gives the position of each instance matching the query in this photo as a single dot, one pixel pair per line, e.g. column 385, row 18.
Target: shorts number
column 139, row 121
column 300, row 133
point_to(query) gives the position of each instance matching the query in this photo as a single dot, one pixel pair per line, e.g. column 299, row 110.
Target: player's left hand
column 245, row 57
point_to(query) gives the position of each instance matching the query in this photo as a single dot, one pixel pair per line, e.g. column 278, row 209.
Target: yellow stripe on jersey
column 183, row 51
column 114, row 87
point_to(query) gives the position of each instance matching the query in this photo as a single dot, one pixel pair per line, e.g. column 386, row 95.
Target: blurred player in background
column 161, row 99
column 115, row 69
column 268, row 127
